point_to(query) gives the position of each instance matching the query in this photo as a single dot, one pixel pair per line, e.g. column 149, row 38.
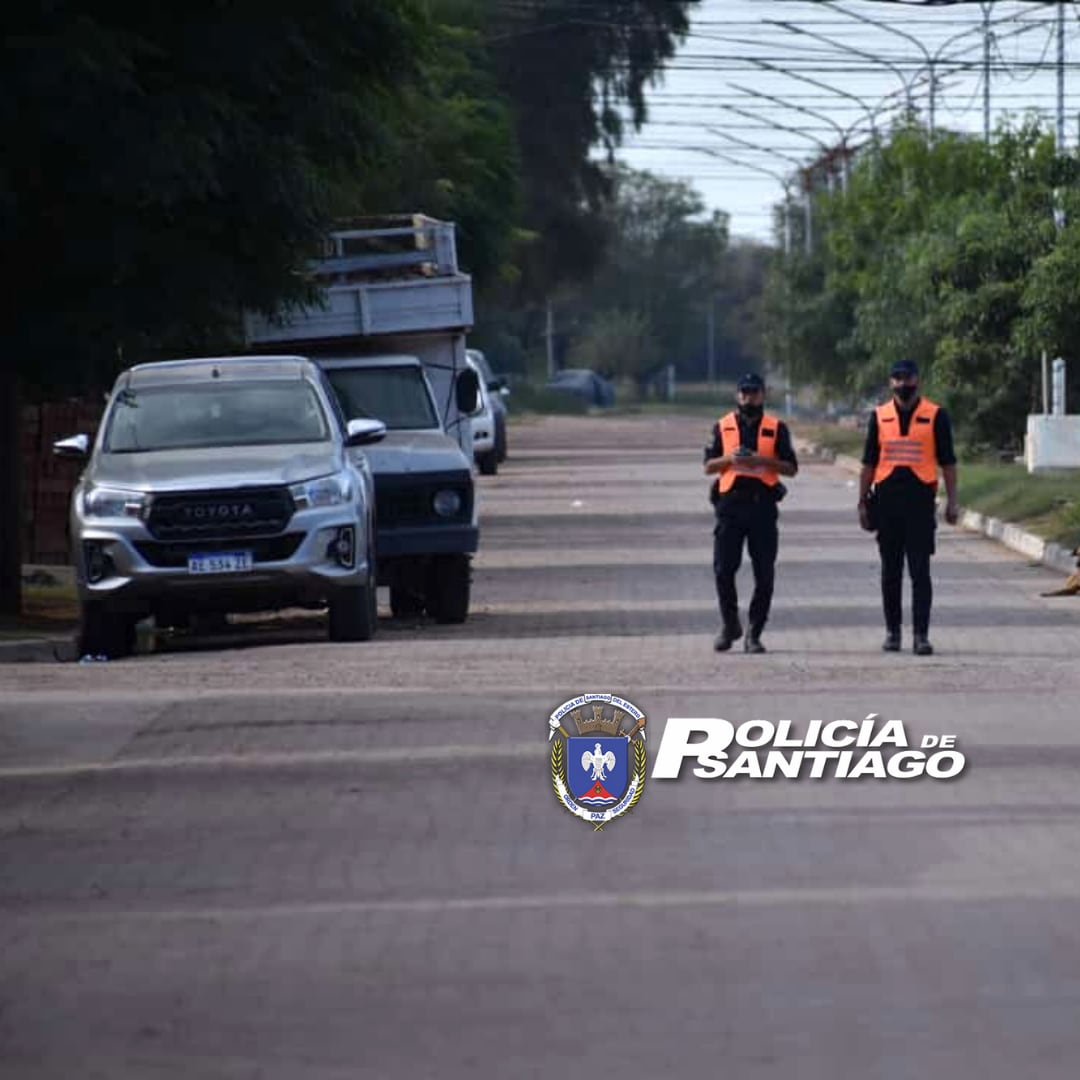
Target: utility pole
column 986, row 70
column 710, row 341
column 808, row 200
column 931, row 60
column 1060, row 78
column 549, row 333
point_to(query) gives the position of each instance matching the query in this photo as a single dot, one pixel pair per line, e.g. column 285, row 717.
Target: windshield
column 398, row 396
column 221, row 413
column 483, row 402
column 483, row 368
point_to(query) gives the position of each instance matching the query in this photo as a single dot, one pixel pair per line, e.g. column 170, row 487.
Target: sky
column 744, row 101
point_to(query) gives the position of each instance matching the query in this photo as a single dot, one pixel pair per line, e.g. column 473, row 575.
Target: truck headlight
column 322, row 491
column 106, row 502
column 446, row 502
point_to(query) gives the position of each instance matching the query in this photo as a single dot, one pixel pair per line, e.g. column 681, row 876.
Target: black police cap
column 751, row 381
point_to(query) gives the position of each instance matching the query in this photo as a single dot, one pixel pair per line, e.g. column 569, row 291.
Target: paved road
column 287, row 859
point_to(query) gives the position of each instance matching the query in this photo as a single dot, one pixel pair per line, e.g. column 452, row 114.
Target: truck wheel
column 405, row 603
column 488, row 463
column 353, row 613
column 448, row 588
column 105, row 633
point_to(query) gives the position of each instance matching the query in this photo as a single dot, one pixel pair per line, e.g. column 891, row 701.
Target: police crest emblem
column 598, row 758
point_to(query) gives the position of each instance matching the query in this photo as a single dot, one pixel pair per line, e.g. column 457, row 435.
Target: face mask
column 905, row 392
column 751, row 412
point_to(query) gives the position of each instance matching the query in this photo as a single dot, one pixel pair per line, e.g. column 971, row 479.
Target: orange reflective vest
column 917, row 450
column 730, row 441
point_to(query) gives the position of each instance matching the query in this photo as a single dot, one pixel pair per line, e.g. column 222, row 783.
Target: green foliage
column 841, row 440
column 165, row 166
column 450, row 148
column 944, row 250
column 571, row 71
column 665, row 262
column 619, row 344
column 1047, row 504
column 661, row 268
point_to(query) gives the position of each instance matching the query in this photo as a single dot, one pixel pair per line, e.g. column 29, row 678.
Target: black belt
column 765, row 495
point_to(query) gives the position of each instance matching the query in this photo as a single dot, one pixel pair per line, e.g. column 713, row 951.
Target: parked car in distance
column 222, row 485
column 483, row 424
column 586, row 384
column 499, row 392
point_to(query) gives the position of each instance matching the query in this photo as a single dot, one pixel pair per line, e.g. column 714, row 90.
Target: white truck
column 390, row 335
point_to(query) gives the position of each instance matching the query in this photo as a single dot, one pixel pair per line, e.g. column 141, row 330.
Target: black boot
column 723, row 641
column 921, row 646
column 891, row 642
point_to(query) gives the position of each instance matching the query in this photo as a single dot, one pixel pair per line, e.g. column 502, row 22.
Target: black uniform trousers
column 906, row 530
column 752, row 521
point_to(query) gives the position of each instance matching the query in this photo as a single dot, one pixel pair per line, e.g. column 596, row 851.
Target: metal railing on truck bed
column 399, row 276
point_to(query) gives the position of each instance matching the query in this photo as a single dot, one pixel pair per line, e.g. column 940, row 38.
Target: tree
column 450, row 148
column 575, row 74
column 663, row 264
column 946, row 250
column 619, row 344
column 740, row 318
column 165, row 168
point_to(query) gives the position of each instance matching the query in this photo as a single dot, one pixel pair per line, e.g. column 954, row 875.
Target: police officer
column 907, row 438
column 749, row 452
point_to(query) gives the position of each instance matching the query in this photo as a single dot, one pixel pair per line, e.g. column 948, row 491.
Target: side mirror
column 76, row 447
column 363, row 432
column 466, row 391
column 504, row 391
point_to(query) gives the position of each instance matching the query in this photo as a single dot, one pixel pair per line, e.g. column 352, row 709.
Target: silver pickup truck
column 219, row 485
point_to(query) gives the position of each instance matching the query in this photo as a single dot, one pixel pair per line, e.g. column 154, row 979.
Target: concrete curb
column 48, row 650
column 1011, row 536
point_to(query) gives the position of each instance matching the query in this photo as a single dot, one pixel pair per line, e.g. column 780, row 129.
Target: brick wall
column 47, row 480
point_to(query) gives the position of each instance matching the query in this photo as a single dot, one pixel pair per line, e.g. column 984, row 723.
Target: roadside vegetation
column 1046, row 505
column 961, row 254
column 834, row 437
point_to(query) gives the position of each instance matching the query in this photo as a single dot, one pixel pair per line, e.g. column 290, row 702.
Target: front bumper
column 406, row 520
column 122, row 566
column 427, row 540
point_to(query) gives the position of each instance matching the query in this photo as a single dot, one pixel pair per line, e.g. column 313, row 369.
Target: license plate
column 223, row 562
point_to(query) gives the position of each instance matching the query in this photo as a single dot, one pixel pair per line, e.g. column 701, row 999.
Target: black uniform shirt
column 902, row 480
column 748, row 437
